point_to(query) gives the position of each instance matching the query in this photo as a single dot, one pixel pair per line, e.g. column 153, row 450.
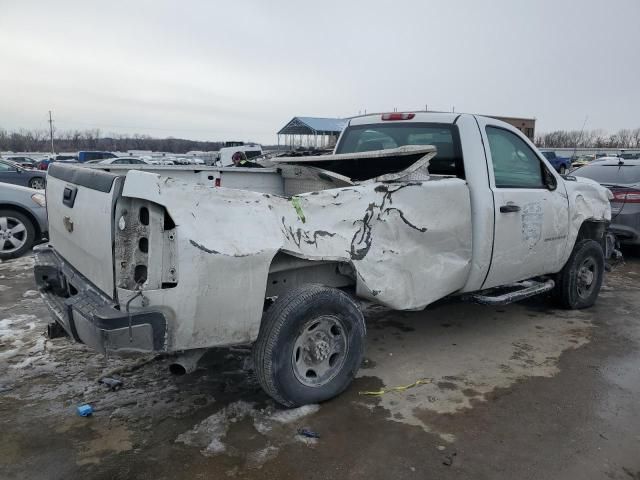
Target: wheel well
column 288, row 271
column 26, row 213
column 592, row 230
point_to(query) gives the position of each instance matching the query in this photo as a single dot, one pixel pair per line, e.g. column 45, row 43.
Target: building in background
column 525, row 125
column 311, row 132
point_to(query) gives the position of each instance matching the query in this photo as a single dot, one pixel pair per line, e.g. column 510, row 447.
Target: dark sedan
column 11, row 172
column 26, row 162
column 622, row 177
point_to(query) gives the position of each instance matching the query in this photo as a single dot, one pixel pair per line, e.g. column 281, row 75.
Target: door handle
column 509, row 208
column 69, row 196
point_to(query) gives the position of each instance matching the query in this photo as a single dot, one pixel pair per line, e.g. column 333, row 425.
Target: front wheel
column 310, row 345
column 578, row 283
column 17, row 234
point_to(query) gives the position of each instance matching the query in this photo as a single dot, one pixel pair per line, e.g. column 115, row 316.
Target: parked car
column 398, row 216
column 561, row 164
column 24, row 162
column 85, row 156
column 622, row 177
column 44, row 163
column 23, row 219
column 11, row 172
column 122, row 161
column 582, row 160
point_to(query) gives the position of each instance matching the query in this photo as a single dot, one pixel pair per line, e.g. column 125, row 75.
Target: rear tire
column 17, row 234
column 310, row 345
column 578, row 283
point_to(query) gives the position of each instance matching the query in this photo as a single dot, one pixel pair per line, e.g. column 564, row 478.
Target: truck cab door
column 531, row 209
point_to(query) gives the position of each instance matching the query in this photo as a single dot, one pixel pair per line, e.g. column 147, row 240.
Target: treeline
column 625, row 138
column 75, row 140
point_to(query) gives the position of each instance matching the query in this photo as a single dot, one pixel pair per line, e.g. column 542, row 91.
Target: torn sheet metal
column 404, row 150
column 588, row 200
column 409, row 244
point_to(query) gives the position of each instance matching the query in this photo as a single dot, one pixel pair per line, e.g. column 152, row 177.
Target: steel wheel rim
column 320, row 351
column 586, row 281
column 13, row 234
column 37, row 184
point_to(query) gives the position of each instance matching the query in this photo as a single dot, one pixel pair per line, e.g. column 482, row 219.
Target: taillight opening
column 397, row 116
column 626, row 196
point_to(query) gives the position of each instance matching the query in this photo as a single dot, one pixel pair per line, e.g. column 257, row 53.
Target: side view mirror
column 19, row 169
column 550, row 180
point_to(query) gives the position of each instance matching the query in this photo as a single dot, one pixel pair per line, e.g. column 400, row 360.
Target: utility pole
column 51, row 132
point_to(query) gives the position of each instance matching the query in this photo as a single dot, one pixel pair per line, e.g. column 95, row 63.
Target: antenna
column 575, row 148
column 51, row 132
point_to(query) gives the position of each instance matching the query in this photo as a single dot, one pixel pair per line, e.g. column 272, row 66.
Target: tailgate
column 80, row 207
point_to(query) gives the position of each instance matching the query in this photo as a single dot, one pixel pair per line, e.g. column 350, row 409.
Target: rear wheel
column 310, row 345
column 37, row 183
column 17, row 234
column 578, row 283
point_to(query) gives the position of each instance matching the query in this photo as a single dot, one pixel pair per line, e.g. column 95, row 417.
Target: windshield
column 610, row 174
column 383, row 136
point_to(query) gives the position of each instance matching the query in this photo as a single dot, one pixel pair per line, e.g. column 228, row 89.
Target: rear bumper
column 626, row 227
column 89, row 316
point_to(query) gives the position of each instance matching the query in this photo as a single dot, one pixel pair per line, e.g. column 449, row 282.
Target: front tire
column 17, row 234
column 578, row 283
column 310, row 345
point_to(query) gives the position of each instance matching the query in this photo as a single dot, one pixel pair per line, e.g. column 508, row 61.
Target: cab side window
column 515, row 165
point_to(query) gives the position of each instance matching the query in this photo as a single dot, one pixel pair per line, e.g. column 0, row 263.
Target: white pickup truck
column 410, row 208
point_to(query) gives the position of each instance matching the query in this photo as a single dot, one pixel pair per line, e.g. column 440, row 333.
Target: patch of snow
column 291, row 415
column 210, row 433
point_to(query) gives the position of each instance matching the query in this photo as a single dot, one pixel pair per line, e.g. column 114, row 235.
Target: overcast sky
column 240, row 70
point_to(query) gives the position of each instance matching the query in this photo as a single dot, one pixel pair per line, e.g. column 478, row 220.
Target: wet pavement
column 522, row 391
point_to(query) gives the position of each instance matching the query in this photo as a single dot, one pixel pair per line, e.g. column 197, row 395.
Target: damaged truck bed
column 409, row 209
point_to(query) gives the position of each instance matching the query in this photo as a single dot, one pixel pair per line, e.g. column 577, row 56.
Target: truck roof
column 419, row 117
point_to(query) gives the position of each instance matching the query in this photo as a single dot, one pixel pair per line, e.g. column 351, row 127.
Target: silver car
column 23, row 219
column 622, row 177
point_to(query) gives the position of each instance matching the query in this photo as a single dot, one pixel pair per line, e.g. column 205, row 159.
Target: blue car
column 561, row 164
column 87, row 156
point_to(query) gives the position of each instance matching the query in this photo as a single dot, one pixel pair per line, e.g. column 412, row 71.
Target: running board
column 511, row 293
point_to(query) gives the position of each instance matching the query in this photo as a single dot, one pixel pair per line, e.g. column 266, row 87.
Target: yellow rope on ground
column 400, row 388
